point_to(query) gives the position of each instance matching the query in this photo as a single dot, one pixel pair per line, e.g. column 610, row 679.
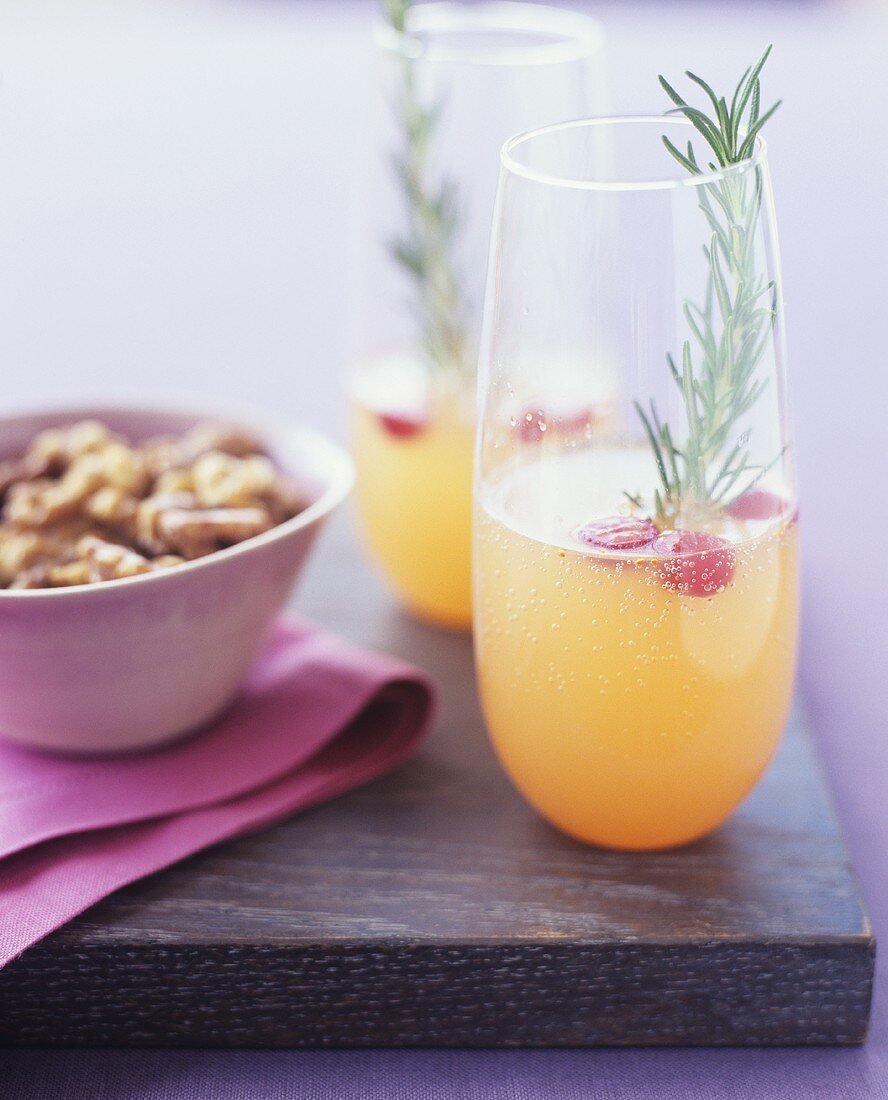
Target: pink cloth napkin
column 317, row 717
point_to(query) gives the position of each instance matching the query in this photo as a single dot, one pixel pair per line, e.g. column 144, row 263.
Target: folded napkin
column 317, row 717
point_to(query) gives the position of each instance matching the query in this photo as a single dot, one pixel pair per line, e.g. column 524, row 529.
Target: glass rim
column 514, row 166
column 571, row 35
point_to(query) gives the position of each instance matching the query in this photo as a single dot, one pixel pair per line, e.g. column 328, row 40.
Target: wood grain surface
column 433, row 907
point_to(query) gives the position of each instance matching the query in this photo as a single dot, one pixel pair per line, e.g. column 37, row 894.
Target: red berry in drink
column 534, row 423
column 694, row 563
column 618, row 533
column 756, row 504
column 576, row 421
column 531, row 425
column 401, row 425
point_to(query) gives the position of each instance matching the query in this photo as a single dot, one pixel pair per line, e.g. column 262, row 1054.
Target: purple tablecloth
column 175, row 189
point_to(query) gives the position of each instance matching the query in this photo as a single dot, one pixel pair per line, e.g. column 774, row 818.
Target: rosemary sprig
column 425, row 249
column 731, row 329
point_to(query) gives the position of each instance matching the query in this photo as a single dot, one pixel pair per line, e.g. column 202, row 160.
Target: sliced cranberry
column 756, row 504
column 576, row 421
column 693, row 562
column 401, row 425
column 534, row 423
column 618, row 533
column 531, row 426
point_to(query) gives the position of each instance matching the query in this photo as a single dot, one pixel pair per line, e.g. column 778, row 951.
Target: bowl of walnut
column 143, row 557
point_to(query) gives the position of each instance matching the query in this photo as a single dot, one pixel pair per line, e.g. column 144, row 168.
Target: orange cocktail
column 635, row 687
column 414, row 492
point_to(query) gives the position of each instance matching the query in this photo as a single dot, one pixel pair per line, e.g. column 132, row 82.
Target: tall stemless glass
column 455, row 82
column 636, row 574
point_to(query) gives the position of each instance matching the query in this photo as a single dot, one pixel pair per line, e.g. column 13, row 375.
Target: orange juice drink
column 635, row 681
column 413, row 453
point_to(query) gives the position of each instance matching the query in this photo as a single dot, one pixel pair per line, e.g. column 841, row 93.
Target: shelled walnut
column 83, row 505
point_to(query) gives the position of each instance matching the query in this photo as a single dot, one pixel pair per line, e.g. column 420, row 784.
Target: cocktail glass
column 455, row 82
column 635, row 641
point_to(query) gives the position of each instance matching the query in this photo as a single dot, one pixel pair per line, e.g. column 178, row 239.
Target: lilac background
column 176, row 187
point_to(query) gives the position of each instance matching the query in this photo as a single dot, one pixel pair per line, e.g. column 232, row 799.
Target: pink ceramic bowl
column 132, row 663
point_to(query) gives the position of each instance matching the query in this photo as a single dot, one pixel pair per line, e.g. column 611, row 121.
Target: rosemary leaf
column 731, row 329
column 433, row 220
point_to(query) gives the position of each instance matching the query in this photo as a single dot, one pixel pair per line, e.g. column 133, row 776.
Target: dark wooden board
column 433, row 907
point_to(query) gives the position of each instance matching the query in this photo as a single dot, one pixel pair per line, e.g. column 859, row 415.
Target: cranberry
column 618, row 533
column 756, row 504
column 693, row 562
column 534, row 423
column 401, row 425
column 576, row 421
column 531, row 426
